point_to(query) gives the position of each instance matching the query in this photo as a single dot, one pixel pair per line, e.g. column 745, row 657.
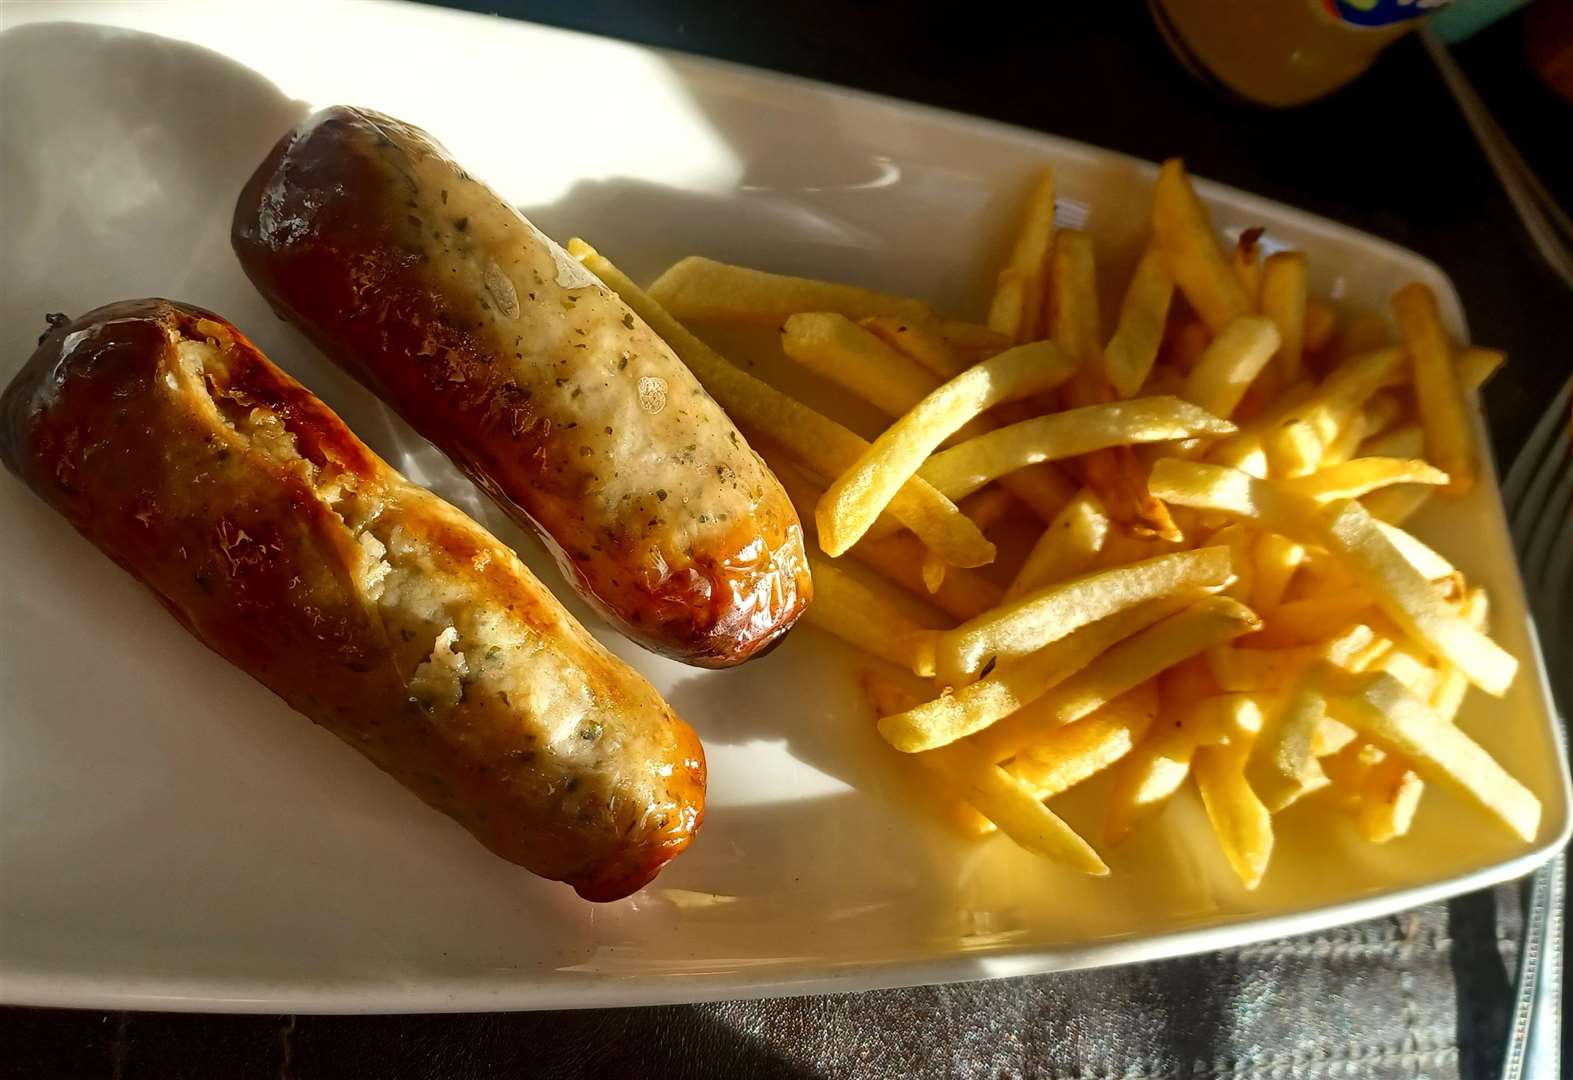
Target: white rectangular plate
column 172, row 836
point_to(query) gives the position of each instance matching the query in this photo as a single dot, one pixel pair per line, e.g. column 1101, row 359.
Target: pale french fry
column 1389, row 797
column 1346, row 444
column 969, row 465
column 1409, row 599
column 1321, row 325
column 821, row 443
column 1073, row 319
column 1382, row 709
column 891, row 690
column 1230, row 363
column 918, row 340
column 1283, row 301
column 1039, row 618
column 1134, row 660
column 1283, row 748
column 1293, row 449
column 1403, row 441
column 1077, row 751
column 1476, row 365
column 1012, row 685
column 1452, row 684
column 1409, row 664
column 1314, row 779
column 858, row 495
column 1444, row 408
column 860, row 614
column 1236, row 495
column 838, row 349
column 962, row 594
column 1246, row 261
column 1008, row 309
column 1363, row 475
column 1277, row 559
column 1066, row 547
column 1331, row 735
column 1129, row 356
column 1029, row 258
column 932, row 572
column 1427, row 561
column 1350, row 765
column 1244, row 826
column 1188, row 345
column 1381, row 411
column 1184, row 234
column 1396, row 505
column 1238, row 670
column 1018, row 813
column 703, row 289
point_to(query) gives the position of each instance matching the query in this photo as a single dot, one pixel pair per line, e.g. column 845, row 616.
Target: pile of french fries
column 1221, row 592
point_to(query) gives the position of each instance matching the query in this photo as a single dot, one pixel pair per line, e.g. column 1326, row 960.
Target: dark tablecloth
column 1422, row 994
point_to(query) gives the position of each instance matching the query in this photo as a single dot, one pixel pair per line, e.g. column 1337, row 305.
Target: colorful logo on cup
column 1379, row 12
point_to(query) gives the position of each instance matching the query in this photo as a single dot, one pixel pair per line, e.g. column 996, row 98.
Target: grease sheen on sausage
column 533, row 377
column 367, row 603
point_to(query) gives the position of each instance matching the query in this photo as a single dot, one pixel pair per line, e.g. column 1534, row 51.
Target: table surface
column 1424, row 994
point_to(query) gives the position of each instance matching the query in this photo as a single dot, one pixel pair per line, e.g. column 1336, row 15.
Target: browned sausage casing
column 367, row 603
column 533, row 377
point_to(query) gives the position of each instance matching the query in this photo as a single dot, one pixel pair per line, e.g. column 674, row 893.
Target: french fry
column 1476, row 365
column 859, row 494
column 1246, row 262
column 1409, row 664
column 1073, row 318
column 891, row 690
column 1028, row 260
column 1243, row 825
column 1363, row 475
column 1403, row 441
column 1283, row 748
column 1305, row 622
column 1129, row 356
column 1381, row 411
column 838, row 349
column 969, row 465
column 987, row 508
column 1283, row 301
column 1012, row 685
column 1365, row 333
column 1236, row 495
column 1228, row 366
column 703, row 289
column 1008, row 309
column 1408, row 598
column 1321, row 325
column 869, row 618
column 1249, row 671
column 1427, row 561
column 821, row 443
column 1134, row 660
column 1184, row 234
column 1452, row 684
column 1389, row 797
column 1042, row 617
column 1293, row 449
column 1382, row 709
column 1081, row 750
column 1346, row 444
column 1241, row 540
column 920, row 341
column 1396, row 505
column 1017, row 812
column 1277, row 559
column 1066, row 547
column 1444, row 409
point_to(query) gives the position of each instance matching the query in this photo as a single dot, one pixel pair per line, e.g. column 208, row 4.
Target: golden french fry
column 1403, row 441
column 1238, row 670
column 1305, row 622
column 1444, row 408
column 1476, row 365
column 1130, row 354
column 1381, row 411
column 1321, row 325
column 1039, row 618
column 1283, row 748
column 1277, row 559
column 1293, row 449
column 1406, row 596
column 1184, row 234
column 1018, row 813
column 703, row 289
column 1077, row 751
column 1244, row 826
column 1389, row 797
column 969, row 465
column 1134, row 660
column 1381, row 708
column 1230, row 363
column 932, row 572
column 1283, row 301
column 1408, row 663
column 1396, row 505
column 1008, row 309
column 962, row 594
column 1427, row 561
column 1029, row 258
column 1346, row 443
column 1187, row 345
column 881, row 622
column 920, row 341
column 821, row 443
column 1365, row 333
column 1237, row 495
column 1452, row 684
column 987, row 508
column 1360, row 476
column 1073, row 319
column 1012, row 685
column 838, row 349
column 1066, row 547
column 1246, row 261
column 858, row 495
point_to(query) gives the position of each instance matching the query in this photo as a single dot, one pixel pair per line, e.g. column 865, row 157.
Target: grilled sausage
column 533, row 377
column 367, row 603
